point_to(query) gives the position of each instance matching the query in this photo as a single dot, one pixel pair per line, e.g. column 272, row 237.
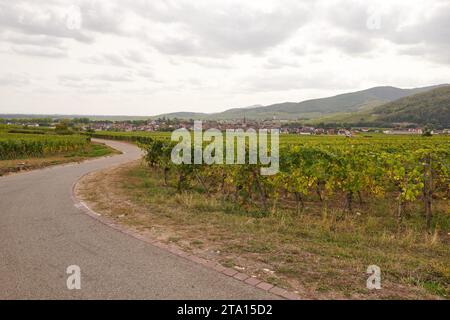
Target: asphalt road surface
column 42, row 233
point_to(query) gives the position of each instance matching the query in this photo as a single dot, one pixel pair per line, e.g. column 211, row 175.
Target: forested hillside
column 432, row 107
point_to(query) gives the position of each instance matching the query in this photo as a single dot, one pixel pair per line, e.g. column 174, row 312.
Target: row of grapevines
column 17, row 146
column 139, row 137
column 316, row 170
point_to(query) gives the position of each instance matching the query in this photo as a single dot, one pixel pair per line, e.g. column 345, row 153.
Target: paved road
column 42, row 233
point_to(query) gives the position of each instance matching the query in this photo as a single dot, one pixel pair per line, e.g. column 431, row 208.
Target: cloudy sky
column 143, row 57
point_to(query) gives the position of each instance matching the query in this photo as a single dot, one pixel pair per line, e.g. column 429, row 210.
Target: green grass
column 94, row 150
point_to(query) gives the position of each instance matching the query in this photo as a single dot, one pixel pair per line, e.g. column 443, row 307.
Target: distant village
column 163, row 124
column 285, row 127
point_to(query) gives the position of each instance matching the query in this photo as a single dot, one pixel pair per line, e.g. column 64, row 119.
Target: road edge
column 211, row 265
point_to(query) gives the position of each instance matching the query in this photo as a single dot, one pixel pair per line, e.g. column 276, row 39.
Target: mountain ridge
column 309, row 109
column 430, row 107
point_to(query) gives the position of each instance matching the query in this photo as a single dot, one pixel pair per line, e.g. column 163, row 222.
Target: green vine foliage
column 316, row 171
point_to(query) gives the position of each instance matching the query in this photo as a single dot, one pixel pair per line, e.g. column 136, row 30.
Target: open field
column 337, row 206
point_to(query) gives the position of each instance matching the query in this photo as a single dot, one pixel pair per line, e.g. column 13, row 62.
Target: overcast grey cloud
column 349, row 43
column 38, row 19
column 426, row 25
column 14, row 80
column 37, row 40
column 135, row 56
column 31, row 50
column 106, row 59
column 116, row 77
column 225, row 29
column 206, row 55
column 101, row 16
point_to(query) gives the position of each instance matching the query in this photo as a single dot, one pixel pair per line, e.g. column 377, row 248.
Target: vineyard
column 140, row 137
column 327, row 171
column 318, row 169
column 336, row 206
column 19, row 146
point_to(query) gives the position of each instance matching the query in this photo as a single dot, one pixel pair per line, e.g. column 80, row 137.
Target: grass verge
column 320, row 253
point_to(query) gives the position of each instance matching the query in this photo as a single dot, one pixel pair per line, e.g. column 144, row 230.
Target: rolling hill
column 310, row 109
column 431, row 107
column 72, row 116
column 375, row 106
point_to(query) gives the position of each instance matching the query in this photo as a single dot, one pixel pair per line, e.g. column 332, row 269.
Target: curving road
column 42, row 233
